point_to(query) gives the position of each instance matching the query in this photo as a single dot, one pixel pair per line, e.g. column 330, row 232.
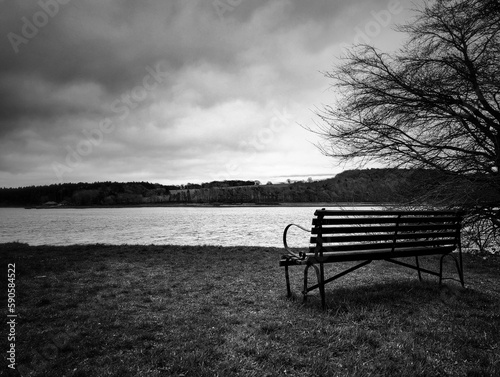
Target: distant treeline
column 371, row 185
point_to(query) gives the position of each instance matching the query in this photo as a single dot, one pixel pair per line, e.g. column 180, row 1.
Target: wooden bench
column 367, row 235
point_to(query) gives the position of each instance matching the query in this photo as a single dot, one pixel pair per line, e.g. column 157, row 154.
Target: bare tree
column 433, row 104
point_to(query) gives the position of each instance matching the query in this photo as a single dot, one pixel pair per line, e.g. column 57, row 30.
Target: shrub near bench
column 367, row 235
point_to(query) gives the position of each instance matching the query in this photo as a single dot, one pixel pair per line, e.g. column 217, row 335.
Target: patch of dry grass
column 129, row 310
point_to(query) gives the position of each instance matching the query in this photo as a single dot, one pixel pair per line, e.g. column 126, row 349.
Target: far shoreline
column 215, row 205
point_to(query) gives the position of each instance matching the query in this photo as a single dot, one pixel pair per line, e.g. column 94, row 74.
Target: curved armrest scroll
column 301, row 255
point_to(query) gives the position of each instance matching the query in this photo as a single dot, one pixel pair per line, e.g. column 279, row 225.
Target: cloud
column 69, row 69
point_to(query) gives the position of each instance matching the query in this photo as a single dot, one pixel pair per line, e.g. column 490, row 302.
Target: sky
column 174, row 91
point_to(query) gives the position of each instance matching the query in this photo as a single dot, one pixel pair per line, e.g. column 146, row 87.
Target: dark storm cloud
column 171, row 83
column 111, row 42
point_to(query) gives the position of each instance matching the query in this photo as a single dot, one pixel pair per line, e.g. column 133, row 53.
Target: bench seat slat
column 382, row 220
column 382, row 237
column 328, row 212
column 386, row 245
column 339, row 256
column 360, row 255
column 387, row 228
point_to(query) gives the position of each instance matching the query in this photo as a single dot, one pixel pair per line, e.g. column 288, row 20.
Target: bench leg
column 320, row 275
column 321, row 282
column 441, row 268
column 304, row 292
column 287, row 278
column 458, row 264
column 460, row 270
column 306, row 270
column 418, row 269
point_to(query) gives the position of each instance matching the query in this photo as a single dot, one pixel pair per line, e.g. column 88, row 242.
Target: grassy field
column 213, row 311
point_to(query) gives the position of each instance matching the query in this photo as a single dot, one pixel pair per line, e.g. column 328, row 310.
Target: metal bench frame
column 367, row 235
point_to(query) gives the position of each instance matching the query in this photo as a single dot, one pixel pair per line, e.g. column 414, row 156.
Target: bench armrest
column 301, row 255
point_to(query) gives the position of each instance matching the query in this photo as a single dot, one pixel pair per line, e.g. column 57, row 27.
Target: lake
column 226, row 226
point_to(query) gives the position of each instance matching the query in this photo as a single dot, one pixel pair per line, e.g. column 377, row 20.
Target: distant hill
column 370, row 185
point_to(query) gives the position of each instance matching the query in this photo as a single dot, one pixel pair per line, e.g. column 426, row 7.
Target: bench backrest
column 349, row 230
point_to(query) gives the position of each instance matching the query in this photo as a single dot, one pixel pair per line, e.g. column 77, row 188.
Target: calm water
column 227, row 226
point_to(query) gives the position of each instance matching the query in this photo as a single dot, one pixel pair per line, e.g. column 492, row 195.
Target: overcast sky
column 173, row 91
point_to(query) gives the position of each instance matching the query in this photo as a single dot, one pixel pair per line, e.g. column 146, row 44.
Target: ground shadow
column 395, row 294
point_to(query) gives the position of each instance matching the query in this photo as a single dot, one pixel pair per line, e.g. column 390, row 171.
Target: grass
column 212, row 311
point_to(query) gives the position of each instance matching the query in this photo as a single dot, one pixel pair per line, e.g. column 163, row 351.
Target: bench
column 368, row 235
